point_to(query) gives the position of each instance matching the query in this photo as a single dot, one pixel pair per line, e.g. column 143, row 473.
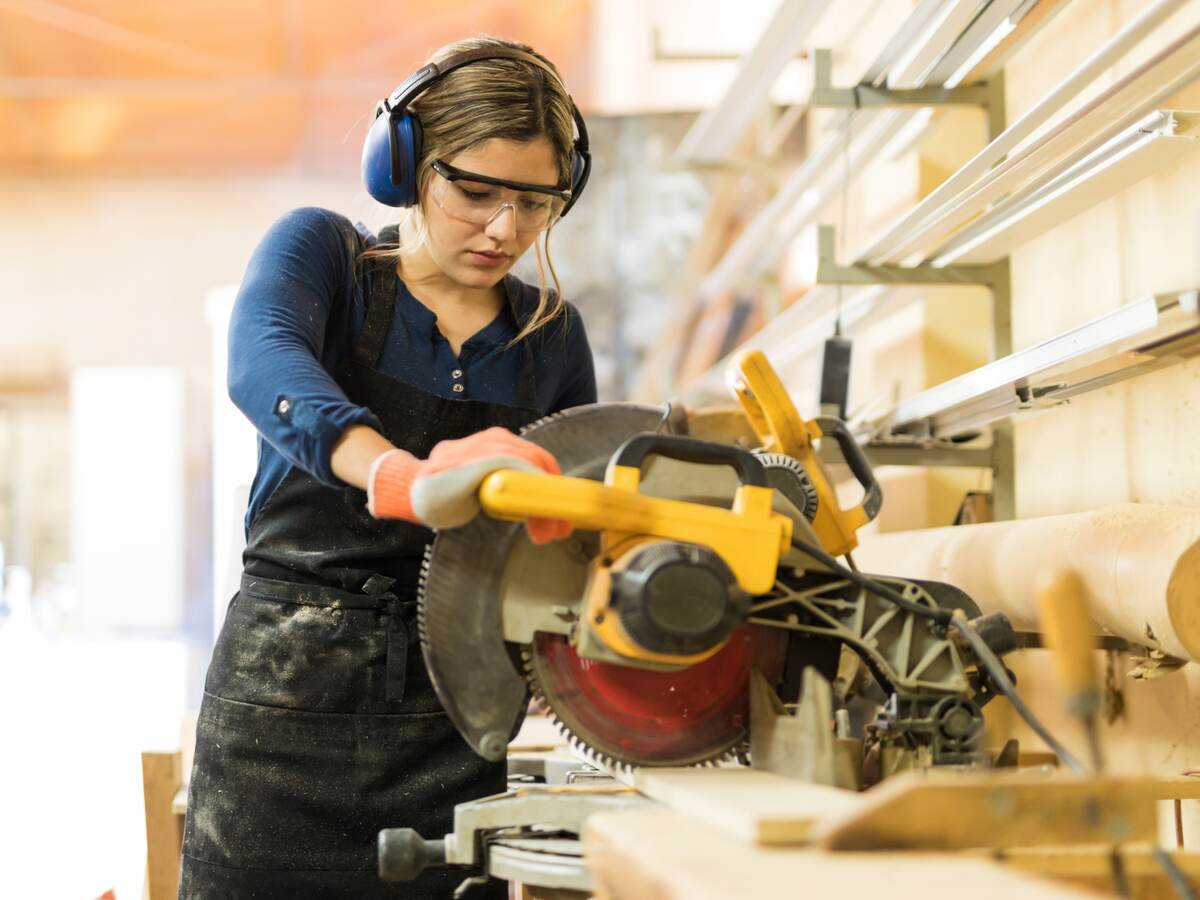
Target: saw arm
column 749, row 536
column 781, row 429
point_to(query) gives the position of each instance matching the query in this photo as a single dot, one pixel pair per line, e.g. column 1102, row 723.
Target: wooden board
column 936, row 811
column 758, row 807
column 161, row 779
column 1092, row 867
column 664, row 855
column 537, row 734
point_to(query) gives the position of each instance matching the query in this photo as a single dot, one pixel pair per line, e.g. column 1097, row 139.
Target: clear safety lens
column 478, row 203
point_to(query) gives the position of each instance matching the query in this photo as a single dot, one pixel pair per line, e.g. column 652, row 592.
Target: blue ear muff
column 389, row 159
column 393, row 145
column 578, row 165
column 581, row 168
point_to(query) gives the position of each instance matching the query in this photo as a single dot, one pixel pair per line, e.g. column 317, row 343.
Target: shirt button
column 458, row 389
column 282, row 407
column 457, row 373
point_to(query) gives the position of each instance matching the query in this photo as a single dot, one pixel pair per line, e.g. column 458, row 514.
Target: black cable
column 998, row 674
column 983, row 653
column 1174, row 874
column 869, row 584
column 1120, row 879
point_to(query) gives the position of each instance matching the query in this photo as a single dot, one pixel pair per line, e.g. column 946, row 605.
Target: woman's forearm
column 355, row 450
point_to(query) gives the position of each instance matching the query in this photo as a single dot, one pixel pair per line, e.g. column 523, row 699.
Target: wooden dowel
column 1139, row 566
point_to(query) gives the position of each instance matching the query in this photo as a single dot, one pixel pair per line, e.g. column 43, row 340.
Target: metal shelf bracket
column 941, row 454
column 994, row 276
column 987, row 94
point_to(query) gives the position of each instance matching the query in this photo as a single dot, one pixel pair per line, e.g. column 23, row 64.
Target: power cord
column 983, row 653
column 1174, row 874
column 1001, row 681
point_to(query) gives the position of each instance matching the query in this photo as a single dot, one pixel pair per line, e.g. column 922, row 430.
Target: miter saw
column 696, row 566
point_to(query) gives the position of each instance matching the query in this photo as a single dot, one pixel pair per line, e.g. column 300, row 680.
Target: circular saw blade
column 474, row 671
column 477, row 577
column 622, row 716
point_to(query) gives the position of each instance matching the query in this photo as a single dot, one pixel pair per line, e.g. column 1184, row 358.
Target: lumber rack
column 1020, row 185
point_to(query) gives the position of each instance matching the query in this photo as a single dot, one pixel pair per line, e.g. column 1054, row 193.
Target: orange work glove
column 442, row 491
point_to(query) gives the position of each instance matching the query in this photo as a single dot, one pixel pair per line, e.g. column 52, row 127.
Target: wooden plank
column 161, row 779
column 1092, row 867
column 659, row 854
column 759, row 807
column 725, row 423
column 1183, row 787
column 948, row 811
column 537, row 733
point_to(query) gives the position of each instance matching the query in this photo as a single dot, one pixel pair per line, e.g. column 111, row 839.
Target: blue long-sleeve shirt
column 298, row 315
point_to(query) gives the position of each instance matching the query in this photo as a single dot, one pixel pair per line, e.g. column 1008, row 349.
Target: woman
column 385, row 377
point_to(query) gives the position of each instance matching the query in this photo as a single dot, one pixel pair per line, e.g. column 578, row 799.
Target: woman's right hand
column 442, row 491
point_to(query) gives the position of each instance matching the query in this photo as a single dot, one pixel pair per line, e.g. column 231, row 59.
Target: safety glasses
column 478, row 199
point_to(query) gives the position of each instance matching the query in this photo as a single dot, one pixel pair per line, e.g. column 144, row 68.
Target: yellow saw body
column 685, row 574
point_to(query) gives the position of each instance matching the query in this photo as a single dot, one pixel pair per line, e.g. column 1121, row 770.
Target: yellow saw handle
column 749, row 537
column 778, row 424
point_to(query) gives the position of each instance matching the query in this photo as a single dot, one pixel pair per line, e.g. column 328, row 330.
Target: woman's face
column 479, row 255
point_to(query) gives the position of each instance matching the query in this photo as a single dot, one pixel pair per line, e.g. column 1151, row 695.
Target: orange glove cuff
column 389, row 485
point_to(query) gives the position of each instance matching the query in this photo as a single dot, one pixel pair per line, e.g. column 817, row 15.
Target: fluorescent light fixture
column 955, row 78
column 945, row 28
column 1132, row 155
column 929, row 215
column 1138, row 337
column 718, row 129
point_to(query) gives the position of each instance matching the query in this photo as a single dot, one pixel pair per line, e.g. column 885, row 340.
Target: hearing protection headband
column 395, row 106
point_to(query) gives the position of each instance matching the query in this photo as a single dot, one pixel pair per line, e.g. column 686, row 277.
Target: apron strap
column 380, row 296
column 526, row 397
column 526, row 393
column 396, row 673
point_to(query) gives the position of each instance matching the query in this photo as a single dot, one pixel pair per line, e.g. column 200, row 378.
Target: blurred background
column 147, row 146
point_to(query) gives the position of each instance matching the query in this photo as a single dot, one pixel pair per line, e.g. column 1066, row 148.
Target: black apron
column 319, row 724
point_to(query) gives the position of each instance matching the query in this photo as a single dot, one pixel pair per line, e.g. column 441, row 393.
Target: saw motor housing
column 660, row 605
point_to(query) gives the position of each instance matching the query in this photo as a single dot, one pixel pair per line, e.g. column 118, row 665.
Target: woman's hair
column 502, row 98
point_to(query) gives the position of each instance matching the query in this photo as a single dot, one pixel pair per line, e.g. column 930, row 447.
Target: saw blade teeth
column 462, row 570
column 579, row 745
